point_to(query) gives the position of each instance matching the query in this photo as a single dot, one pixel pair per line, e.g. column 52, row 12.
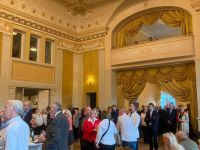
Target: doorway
column 39, row 97
column 91, row 99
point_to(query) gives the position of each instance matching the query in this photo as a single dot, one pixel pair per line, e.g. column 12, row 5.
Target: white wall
column 148, row 95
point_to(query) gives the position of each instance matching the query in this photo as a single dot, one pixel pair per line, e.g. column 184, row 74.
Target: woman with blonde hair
column 170, row 142
column 68, row 115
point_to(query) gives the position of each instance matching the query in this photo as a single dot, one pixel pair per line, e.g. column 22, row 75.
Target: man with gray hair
column 186, row 142
column 58, row 130
column 17, row 131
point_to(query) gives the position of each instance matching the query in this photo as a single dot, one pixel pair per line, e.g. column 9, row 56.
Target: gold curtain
column 177, row 80
column 173, row 18
column 180, row 90
column 131, row 89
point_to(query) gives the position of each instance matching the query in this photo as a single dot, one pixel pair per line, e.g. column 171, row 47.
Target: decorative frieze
column 49, row 30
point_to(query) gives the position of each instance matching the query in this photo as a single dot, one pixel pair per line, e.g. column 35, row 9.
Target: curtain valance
column 173, row 18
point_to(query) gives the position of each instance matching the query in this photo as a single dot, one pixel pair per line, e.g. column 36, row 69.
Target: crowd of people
column 94, row 129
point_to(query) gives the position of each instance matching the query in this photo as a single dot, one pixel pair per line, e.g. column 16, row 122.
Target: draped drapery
column 173, row 18
column 178, row 80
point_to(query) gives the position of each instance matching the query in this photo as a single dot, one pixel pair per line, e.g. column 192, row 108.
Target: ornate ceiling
column 82, row 7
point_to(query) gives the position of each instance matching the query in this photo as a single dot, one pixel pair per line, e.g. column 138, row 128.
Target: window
column 166, row 98
column 17, row 44
column 48, row 47
column 33, row 48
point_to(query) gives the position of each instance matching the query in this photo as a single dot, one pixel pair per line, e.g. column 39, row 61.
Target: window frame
column 51, row 50
column 22, row 43
column 38, row 46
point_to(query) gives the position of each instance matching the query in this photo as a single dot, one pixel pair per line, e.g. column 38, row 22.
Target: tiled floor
column 141, row 146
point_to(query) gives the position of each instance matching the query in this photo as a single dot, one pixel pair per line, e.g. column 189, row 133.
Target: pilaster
column 77, row 80
column 197, row 70
column 6, row 67
column 58, row 76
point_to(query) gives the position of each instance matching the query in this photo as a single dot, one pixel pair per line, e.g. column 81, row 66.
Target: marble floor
column 142, row 146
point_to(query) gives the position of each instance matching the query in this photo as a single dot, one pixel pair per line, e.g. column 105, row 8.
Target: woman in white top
column 170, row 142
column 183, row 121
column 106, row 134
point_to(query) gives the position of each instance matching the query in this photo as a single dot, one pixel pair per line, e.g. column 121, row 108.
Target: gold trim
column 49, row 30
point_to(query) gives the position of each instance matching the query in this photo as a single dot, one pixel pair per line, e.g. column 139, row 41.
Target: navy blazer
column 153, row 120
column 172, row 116
column 57, row 133
column 27, row 118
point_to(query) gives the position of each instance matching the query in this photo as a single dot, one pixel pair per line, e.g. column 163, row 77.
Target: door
column 91, row 99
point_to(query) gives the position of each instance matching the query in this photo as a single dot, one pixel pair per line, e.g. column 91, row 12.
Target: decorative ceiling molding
column 29, row 23
column 196, row 5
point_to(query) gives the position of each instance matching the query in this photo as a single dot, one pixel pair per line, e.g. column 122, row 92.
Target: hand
column 169, row 122
column 97, row 145
column 42, row 138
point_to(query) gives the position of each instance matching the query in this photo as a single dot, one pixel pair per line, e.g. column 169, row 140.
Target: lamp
column 90, row 80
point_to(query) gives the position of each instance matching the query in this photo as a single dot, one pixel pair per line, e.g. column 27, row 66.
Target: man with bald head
column 186, row 142
column 17, row 131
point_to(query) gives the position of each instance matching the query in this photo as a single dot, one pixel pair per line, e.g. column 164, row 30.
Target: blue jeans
column 132, row 145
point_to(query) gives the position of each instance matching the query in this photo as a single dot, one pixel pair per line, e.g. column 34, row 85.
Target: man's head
column 121, row 111
column 27, row 105
column 55, row 107
column 151, row 106
column 13, row 108
column 88, row 109
column 114, row 107
column 171, row 105
column 180, row 135
column 109, row 109
column 132, row 107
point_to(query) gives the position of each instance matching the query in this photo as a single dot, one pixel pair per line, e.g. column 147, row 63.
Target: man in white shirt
column 129, row 133
column 17, row 131
column 136, row 120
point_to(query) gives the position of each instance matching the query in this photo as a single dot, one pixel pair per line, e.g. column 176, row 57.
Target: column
column 102, row 79
column 5, row 75
column 77, row 95
column 110, row 94
column 11, row 92
column 197, row 70
column 196, row 32
column 58, row 76
column 53, row 96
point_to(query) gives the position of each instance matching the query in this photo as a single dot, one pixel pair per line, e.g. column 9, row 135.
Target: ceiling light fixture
column 33, row 49
column 14, row 33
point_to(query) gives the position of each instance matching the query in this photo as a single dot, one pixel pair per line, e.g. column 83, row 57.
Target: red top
column 88, row 130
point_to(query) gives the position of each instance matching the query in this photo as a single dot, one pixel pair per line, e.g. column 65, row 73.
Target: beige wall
column 67, row 78
column 32, row 72
column 90, row 72
column 148, row 95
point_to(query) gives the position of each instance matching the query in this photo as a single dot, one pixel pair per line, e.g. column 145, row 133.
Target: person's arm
column 137, row 120
column 11, row 141
column 99, row 133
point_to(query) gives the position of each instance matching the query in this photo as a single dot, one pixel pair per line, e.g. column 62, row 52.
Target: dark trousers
column 153, row 138
column 76, row 133
column 106, row 147
column 87, row 145
column 145, row 134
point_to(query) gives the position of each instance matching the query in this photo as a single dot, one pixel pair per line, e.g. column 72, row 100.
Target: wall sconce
column 90, row 80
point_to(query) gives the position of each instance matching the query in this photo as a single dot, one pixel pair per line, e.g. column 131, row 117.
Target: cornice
column 196, row 5
column 44, row 28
